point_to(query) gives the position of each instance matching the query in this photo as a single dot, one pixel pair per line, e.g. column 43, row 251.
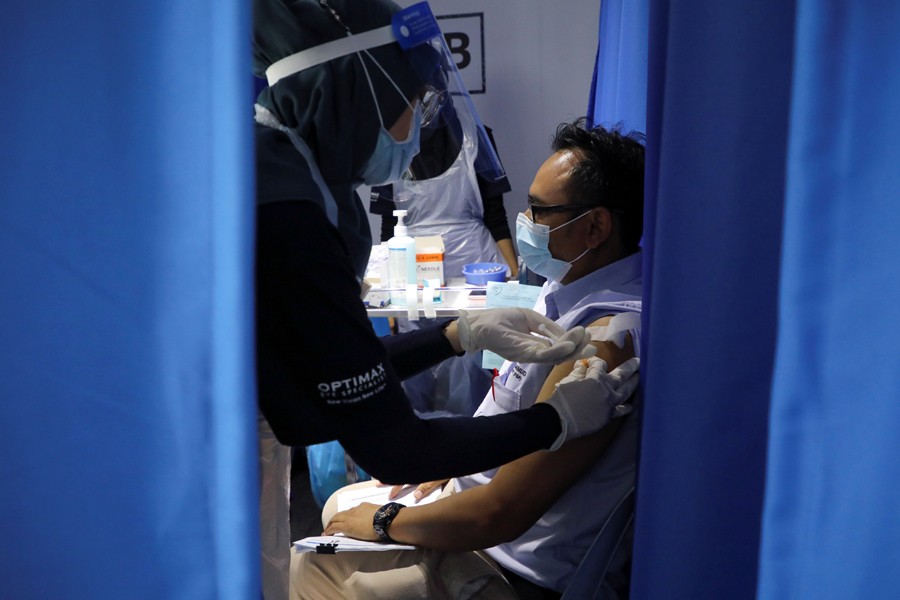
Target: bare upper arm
column 608, row 351
column 528, row 486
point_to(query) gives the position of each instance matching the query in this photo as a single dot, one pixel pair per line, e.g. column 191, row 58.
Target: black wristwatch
column 383, row 518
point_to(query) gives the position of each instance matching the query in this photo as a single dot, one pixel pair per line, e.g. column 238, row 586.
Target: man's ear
column 601, row 224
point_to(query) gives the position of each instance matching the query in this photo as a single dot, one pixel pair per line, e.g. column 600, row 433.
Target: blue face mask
column 392, row 158
column 533, row 241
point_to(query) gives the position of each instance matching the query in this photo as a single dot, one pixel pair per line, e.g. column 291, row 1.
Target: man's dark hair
column 609, row 172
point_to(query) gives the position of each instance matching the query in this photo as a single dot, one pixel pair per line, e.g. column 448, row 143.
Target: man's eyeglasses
column 546, row 209
column 432, row 100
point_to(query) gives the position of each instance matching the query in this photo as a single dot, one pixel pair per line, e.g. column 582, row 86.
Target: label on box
column 429, row 259
column 429, row 270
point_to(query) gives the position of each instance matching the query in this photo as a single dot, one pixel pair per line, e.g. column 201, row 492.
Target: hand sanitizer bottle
column 401, row 260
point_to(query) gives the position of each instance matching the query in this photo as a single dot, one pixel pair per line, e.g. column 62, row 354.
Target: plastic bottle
column 401, row 260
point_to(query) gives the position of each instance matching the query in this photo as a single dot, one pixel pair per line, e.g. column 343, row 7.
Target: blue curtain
column 768, row 463
column 719, row 82
column 619, row 88
column 127, row 454
column 832, row 524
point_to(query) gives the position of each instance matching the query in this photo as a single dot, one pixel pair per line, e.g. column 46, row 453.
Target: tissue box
column 429, row 259
column 377, row 277
column 377, row 269
column 377, row 298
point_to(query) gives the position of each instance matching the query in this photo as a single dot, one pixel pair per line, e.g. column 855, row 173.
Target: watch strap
column 383, row 518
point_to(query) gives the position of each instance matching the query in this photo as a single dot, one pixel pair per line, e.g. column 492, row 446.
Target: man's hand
column 589, row 397
column 355, row 522
column 422, row 490
column 522, row 335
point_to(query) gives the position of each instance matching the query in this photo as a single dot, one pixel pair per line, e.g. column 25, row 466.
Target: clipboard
column 332, row 544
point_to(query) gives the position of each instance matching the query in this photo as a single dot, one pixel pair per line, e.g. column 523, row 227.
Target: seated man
column 538, row 515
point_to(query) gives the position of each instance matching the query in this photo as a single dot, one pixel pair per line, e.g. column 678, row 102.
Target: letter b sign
column 464, row 34
column 459, row 46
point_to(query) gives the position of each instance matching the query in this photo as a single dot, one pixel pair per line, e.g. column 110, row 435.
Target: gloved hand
column 589, row 397
column 508, row 332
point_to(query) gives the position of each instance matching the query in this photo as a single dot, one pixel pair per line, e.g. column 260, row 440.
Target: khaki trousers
column 274, row 512
column 395, row 575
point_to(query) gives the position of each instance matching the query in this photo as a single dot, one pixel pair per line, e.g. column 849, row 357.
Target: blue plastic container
column 482, row 273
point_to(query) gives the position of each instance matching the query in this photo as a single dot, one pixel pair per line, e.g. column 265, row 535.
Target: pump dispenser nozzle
column 400, row 227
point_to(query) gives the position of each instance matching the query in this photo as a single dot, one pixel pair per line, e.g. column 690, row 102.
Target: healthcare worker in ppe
column 466, row 210
column 344, row 106
column 454, row 205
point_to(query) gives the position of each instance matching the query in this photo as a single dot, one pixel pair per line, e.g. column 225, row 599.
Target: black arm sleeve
column 323, row 374
column 426, row 450
column 492, row 199
column 495, row 217
column 416, row 350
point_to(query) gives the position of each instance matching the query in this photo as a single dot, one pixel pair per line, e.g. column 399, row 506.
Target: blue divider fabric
column 716, row 166
column 126, row 224
column 618, row 93
column 735, row 221
column 832, row 524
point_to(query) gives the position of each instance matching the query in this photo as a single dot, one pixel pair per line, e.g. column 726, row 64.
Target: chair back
column 612, row 546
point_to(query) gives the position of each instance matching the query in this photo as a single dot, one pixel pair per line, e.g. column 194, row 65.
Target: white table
column 456, row 297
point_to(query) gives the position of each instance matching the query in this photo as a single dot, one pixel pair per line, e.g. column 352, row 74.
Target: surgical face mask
column 392, row 158
column 533, row 241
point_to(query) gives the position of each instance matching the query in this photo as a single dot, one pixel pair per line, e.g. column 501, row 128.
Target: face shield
column 440, row 92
